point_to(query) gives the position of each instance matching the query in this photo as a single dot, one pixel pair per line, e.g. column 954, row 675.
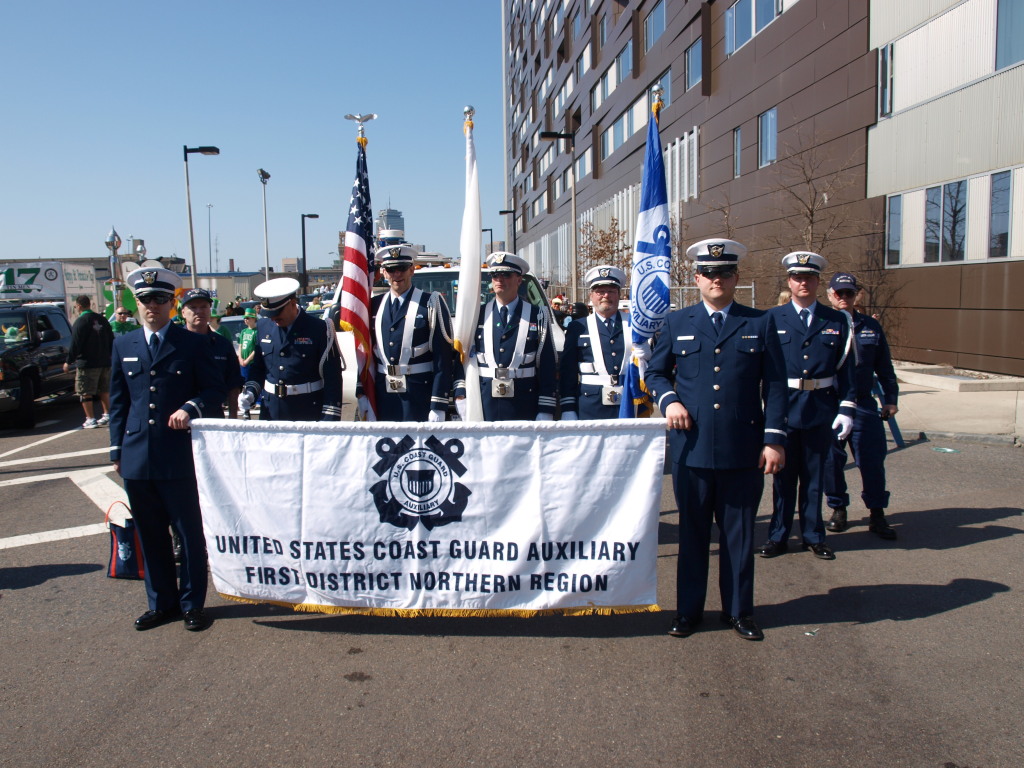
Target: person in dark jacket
column 161, row 378
column 196, row 309
column 91, row 342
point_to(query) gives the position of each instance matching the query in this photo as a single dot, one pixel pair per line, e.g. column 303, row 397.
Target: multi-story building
column 775, row 132
column 388, row 218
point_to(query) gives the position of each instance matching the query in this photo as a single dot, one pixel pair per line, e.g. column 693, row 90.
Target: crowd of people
column 745, row 393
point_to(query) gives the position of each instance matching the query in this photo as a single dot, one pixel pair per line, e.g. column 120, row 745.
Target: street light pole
column 188, row 202
column 209, row 232
column 491, row 233
column 264, row 176
column 573, row 267
column 113, row 242
column 305, row 275
column 505, row 213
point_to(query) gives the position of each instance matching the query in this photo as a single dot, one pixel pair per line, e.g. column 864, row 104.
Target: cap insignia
column 149, row 277
column 803, row 258
column 604, row 271
column 716, row 251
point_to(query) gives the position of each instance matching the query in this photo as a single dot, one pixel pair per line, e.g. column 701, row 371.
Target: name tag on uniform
column 749, row 337
column 266, row 341
column 781, row 331
column 130, row 360
column 303, row 340
column 684, row 338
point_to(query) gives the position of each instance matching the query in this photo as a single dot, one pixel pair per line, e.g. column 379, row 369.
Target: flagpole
column 467, row 303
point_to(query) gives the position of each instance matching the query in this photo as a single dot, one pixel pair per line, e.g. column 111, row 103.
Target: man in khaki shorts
column 91, row 342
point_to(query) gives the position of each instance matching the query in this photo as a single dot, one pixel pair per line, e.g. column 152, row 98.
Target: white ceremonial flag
column 518, row 518
column 467, row 303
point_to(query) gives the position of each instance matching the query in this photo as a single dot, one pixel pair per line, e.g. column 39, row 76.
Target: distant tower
column 389, row 218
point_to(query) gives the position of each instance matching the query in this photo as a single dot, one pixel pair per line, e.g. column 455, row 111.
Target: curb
column 967, row 437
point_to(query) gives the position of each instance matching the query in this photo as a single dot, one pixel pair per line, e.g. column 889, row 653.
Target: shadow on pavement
column 948, row 528
column 34, row 575
column 882, row 602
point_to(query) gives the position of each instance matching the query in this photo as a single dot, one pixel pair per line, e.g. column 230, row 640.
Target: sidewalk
column 988, row 416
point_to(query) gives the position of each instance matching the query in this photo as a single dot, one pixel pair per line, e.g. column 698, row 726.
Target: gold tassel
column 361, row 141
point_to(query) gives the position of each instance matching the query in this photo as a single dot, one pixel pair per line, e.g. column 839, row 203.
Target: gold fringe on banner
column 408, row 613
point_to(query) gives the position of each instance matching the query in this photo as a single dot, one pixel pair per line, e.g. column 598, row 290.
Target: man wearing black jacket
column 91, row 342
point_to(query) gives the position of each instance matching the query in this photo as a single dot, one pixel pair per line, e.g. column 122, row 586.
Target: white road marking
column 64, row 533
column 39, row 442
column 56, row 456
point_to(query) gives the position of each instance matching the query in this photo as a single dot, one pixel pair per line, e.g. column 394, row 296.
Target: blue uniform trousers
column 729, row 497
column 155, row 505
column 867, row 441
column 806, row 452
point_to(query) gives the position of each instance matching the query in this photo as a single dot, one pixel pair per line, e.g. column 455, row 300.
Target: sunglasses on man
column 155, row 298
column 397, row 268
column 711, row 274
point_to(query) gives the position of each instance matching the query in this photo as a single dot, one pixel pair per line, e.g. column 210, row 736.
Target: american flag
column 356, row 280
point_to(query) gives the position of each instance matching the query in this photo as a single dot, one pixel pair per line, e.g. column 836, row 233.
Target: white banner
column 433, row 519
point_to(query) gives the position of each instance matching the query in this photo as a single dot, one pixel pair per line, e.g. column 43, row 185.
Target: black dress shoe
column 822, row 551
column 838, row 522
column 151, row 619
column 880, row 527
column 745, row 626
column 195, row 620
column 683, row 627
column 773, row 548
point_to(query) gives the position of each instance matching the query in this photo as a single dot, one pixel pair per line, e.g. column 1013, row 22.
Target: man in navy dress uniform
column 411, row 336
column 818, row 348
column 718, row 375
column 514, row 349
column 595, row 351
column 296, row 365
column 196, row 309
column 162, row 377
column 867, row 440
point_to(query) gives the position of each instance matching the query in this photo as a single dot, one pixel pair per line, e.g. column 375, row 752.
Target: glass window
column 765, row 12
column 999, row 216
column 885, row 80
column 624, row 63
column 894, row 236
column 577, row 25
column 737, row 147
column 602, row 31
column 767, row 136
column 654, row 25
column 739, row 25
column 1009, row 33
column 932, row 223
column 665, row 81
column 583, row 63
column 954, row 220
column 694, row 65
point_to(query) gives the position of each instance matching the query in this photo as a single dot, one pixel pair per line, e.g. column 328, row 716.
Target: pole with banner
column 357, row 276
column 467, row 301
column 652, row 256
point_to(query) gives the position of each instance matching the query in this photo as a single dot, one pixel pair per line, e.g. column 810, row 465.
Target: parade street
column 904, row 653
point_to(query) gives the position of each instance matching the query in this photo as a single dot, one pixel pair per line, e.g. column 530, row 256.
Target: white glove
column 246, row 400
column 845, row 426
column 545, row 417
column 435, row 416
column 462, row 407
column 363, row 407
column 642, row 351
column 569, row 416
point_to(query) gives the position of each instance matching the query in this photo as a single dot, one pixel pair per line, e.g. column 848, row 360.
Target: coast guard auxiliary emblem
column 418, row 483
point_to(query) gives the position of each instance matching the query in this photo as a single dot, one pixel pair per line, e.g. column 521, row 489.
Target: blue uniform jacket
column 145, row 392
column 733, row 385
column 533, row 395
column 873, row 357
column 430, row 381
column 304, row 354
column 226, row 359
column 585, row 399
column 815, row 353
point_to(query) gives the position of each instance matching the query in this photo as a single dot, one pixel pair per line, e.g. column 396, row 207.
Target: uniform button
column 718, row 351
column 152, row 406
column 716, row 387
column 391, row 343
column 806, row 372
column 717, row 369
column 717, row 406
column 152, row 421
column 807, row 357
column 131, row 373
column 613, row 354
column 501, row 350
column 280, row 367
column 683, row 352
column 152, row 389
column 152, row 373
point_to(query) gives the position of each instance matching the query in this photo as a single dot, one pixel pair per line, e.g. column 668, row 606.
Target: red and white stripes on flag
column 357, row 278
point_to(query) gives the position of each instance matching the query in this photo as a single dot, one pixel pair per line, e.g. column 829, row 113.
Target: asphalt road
column 895, row 654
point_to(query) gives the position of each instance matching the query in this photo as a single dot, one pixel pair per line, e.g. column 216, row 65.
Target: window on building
column 954, row 220
column 885, row 80
column 654, row 25
column 745, row 18
column 584, row 163
column 583, row 63
column 767, row 137
column 602, row 31
column 932, row 223
column 694, row 65
column 765, row 12
column 894, row 227
column 737, row 149
column 624, row 63
column 1009, row 33
column 999, row 216
column 665, row 81
column 577, row 25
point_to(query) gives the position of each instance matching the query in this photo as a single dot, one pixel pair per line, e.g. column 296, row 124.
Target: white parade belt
column 811, row 384
column 284, row 390
column 404, row 370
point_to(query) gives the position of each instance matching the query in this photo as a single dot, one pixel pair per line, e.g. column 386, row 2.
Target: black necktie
column 716, row 320
column 804, row 314
column 504, row 317
column 154, row 345
column 609, row 323
column 396, row 305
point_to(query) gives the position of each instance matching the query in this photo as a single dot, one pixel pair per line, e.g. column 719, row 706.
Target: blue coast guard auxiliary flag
column 652, row 255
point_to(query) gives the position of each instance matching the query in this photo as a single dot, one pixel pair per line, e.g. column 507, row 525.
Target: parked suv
column 34, row 343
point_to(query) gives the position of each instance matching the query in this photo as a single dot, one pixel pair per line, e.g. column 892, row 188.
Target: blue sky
column 98, row 99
